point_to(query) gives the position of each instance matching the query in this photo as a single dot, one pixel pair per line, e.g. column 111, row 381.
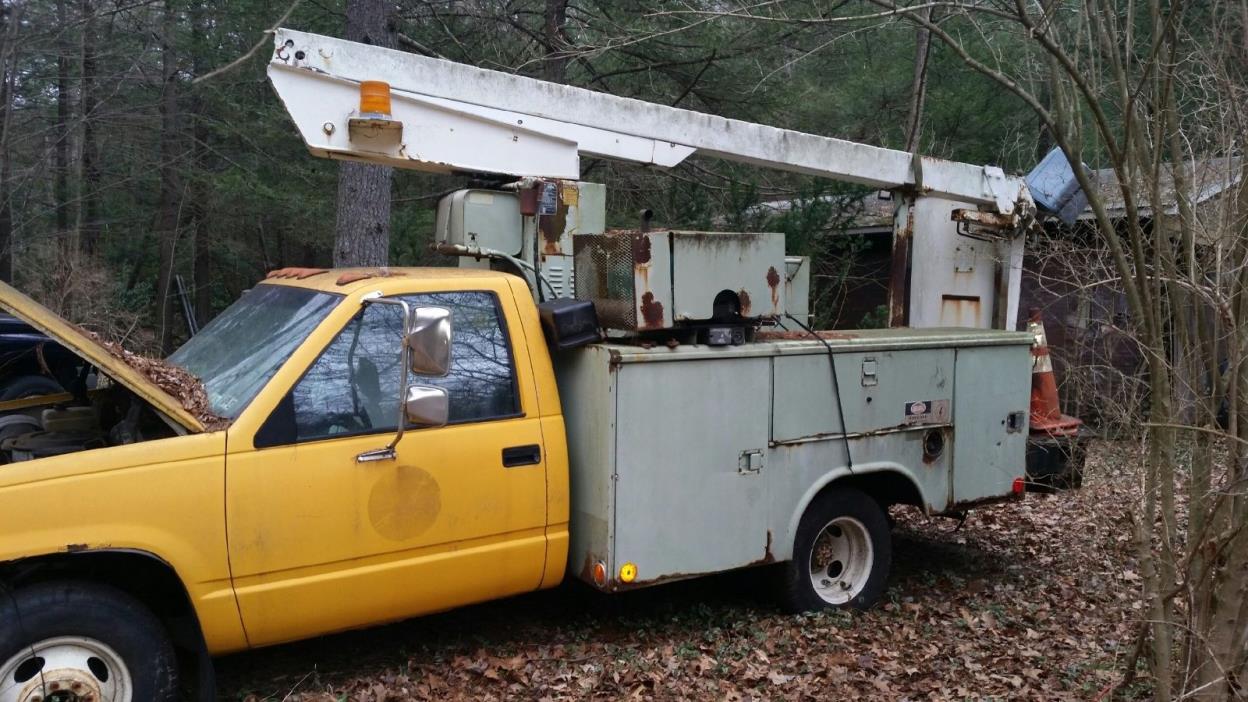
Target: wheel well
column 887, row 487
column 143, row 576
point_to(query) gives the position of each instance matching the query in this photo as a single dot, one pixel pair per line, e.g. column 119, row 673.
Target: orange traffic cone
column 1046, row 413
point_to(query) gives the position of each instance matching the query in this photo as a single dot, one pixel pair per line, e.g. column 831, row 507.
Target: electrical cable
column 840, row 409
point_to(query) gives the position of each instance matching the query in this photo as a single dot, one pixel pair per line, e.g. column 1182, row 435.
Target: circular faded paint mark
column 404, row 503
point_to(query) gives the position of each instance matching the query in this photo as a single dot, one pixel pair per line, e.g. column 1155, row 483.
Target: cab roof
column 345, row 281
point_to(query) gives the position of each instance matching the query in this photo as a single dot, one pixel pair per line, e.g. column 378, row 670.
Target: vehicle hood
column 82, row 343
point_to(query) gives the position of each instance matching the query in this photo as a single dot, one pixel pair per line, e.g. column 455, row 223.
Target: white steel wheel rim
column 840, row 560
column 73, row 669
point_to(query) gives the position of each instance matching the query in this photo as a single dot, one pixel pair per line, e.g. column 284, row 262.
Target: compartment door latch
column 869, row 376
column 750, row 462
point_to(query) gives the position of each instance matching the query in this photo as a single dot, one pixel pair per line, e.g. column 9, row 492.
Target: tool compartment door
column 690, row 492
column 988, row 452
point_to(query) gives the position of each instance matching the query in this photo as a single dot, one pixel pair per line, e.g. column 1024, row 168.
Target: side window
column 353, row 387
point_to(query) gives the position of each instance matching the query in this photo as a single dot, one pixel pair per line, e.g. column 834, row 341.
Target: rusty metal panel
column 580, row 209
column 628, row 276
column 642, row 281
column 959, row 281
column 749, row 266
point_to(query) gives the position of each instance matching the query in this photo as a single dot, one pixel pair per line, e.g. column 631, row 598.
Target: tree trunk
column 8, row 62
column 918, row 85
column 554, row 34
column 89, row 198
column 60, row 167
column 170, row 180
column 362, row 233
column 203, row 243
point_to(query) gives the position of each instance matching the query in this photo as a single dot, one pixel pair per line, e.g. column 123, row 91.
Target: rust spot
column 620, row 586
column 356, row 276
column 295, row 272
column 959, row 310
column 800, row 334
column 898, row 272
column 552, row 227
column 744, row 298
column 529, row 198
column 651, row 312
column 768, row 556
column 672, row 343
column 75, row 548
column 988, row 219
column 773, row 282
column 641, row 249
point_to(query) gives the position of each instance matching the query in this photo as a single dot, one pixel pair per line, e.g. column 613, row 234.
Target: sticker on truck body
column 927, row 412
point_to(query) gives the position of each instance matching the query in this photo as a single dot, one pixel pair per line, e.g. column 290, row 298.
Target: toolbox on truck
column 697, row 459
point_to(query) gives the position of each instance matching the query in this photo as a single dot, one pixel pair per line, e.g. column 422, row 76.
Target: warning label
column 927, row 412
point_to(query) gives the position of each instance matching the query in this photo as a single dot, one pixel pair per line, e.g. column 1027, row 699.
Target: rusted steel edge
column 837, row 436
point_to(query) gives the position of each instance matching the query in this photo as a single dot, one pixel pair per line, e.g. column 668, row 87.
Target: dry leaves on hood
column 178, row 382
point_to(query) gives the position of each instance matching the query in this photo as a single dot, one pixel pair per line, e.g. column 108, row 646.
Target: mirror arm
column 390, row 452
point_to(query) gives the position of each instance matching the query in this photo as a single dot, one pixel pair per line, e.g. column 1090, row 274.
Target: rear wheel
column 841, row 554
column 76, row 642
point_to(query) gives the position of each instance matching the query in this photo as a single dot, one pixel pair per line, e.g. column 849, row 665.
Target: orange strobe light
column 374, row 97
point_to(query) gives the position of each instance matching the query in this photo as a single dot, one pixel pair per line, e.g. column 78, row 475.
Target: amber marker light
column 600, row 573
column 374, row 97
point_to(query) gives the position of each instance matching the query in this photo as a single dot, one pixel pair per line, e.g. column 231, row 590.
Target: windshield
column 237, row 353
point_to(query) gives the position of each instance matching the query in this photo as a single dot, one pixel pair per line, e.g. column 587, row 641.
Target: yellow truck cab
column 256, row 521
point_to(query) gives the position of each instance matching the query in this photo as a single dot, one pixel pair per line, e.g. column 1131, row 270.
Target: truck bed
column 698, row 459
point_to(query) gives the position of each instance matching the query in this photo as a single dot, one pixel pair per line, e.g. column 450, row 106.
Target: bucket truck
column 343, row 448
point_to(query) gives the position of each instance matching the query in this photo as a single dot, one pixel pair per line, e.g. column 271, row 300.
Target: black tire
column 28, row 386
column 104, row 614
column 797, row 591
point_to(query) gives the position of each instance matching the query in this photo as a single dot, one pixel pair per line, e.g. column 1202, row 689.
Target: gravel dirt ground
column 1030, row 600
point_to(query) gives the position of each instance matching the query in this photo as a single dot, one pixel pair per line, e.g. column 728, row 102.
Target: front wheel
column 69, row 641
column 841, row 554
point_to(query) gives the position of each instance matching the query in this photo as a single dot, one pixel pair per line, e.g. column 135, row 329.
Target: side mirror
column 426, row 406
column 429, row 343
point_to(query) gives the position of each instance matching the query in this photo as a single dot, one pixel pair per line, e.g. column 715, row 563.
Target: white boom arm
column 461, row 118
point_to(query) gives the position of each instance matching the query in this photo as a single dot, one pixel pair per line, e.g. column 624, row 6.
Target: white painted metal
column 66, row 667
column 840, row 560
column 954, row 278
column 459, row 117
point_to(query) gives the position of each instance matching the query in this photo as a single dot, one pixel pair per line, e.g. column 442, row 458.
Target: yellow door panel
column 320, row 542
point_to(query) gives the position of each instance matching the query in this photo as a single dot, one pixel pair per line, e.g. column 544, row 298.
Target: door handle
column 522, row 456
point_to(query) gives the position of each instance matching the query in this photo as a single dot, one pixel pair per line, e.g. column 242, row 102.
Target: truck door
column 320, row 542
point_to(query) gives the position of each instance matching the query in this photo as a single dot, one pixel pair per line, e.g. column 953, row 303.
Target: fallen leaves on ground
column 1030, row 600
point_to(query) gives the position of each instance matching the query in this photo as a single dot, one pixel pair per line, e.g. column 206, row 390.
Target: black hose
column 840, row 410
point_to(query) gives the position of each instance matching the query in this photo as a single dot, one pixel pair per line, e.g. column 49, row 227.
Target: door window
column 353, row 387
